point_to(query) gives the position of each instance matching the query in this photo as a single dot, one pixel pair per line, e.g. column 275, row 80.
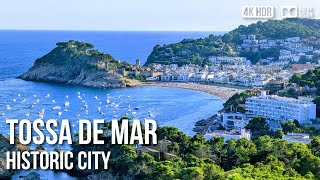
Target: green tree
column 317, row 102
column 192, row 173
column 288, row 127
column 258, row 126
column 315, row 146
column 278, row 134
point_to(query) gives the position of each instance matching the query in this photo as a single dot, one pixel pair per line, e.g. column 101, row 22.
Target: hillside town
column 295, row 56
column 240, row 70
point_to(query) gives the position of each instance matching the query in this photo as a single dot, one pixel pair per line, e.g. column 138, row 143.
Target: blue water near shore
column 169, row 106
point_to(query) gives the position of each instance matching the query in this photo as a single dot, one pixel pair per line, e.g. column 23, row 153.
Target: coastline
column 221, row 91
column 217, row 90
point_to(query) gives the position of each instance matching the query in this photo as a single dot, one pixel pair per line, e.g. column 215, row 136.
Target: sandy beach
column 216, row 90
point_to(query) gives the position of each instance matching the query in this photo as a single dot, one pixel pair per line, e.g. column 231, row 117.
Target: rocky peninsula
column 77, row 63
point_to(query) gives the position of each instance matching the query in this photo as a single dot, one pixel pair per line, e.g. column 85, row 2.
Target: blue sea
column 24, row 100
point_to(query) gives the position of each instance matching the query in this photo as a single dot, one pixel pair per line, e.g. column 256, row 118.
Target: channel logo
column 295, row 11
column 289, row 11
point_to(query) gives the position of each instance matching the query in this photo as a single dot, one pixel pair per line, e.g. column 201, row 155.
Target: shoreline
column 217, row 90
column 221, row 91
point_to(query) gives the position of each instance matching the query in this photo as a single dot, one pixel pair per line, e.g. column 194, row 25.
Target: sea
column 21, row 99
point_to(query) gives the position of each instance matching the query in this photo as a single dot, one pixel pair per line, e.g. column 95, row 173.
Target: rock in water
column 77, row 63
column 32, row 176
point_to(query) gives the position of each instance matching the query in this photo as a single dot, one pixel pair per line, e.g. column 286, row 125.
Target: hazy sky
column 149, row 15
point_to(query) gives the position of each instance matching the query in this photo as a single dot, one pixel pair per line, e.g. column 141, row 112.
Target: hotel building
column 279, row 109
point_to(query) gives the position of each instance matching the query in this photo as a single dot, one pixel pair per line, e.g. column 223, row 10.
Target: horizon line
column 116, row 30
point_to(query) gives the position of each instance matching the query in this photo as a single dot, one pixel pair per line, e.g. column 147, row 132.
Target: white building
column 234, row 121
column 164, row 77
column 297, row 137
column 180, row 77
column 280, row 109
column 244, row 133
column 228, row 60
column 198, row 77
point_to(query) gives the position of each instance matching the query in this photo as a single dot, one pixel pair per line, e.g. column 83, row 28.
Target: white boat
column 95, row 97
column 8, row 107
column 67, row 97
column 59, row 113
column 27, row 114
column 56, row 108
column 67, row 103
column 47, row 96
column 14, row 100
column 65, row 110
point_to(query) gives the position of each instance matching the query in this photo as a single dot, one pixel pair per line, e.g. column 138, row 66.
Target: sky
column 135, row 15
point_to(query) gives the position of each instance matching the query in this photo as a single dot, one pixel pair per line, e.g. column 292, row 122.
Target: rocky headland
column 77, row 63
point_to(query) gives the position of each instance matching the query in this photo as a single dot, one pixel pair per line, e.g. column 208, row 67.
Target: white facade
column 228, row 60
column 297, row 137
column 234, row 121
column 280, row 109
column 198, row 77
column 244, row 133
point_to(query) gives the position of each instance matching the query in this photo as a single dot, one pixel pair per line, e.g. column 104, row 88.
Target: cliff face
column 74, row 75
column 75, row 63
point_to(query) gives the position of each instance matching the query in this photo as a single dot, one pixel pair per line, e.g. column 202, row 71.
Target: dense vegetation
column 260, row 127
column 314, row 23
column 77, row 53
column 275, row 29
column 190, row 51
column 195, row 158
column 311, row 79
column 254, row 57
column 236, row 102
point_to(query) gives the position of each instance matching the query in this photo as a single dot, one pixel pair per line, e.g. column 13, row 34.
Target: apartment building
column 234, row 121
column 279, row 109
